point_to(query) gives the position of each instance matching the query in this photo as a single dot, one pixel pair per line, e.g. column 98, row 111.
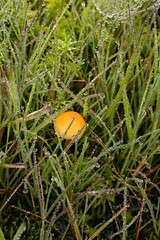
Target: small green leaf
column 1, row 235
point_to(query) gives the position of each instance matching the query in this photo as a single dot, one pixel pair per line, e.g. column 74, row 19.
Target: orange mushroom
column 70, row 124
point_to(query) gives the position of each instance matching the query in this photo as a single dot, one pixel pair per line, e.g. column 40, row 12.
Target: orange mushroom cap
column 63, row 122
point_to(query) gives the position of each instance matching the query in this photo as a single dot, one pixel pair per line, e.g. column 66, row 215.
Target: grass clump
column 101, row 60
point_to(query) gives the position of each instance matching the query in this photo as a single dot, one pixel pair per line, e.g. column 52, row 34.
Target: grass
column 100, row 59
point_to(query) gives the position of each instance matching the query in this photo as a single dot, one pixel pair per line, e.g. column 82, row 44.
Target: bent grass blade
column 107, row 223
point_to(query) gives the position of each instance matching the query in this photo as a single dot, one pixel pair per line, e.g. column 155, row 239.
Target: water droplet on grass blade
column 25, row 191
column 97, row 165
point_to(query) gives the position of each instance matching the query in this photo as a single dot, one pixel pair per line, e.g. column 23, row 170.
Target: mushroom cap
column 64, row 120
